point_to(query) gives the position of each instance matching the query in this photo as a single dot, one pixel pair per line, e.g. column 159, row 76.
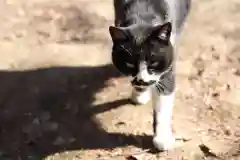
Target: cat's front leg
column 162, row 120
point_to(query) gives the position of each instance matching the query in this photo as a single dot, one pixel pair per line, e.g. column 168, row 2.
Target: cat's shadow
column 50, row 110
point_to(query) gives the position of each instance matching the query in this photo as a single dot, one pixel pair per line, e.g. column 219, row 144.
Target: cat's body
column 144, row 39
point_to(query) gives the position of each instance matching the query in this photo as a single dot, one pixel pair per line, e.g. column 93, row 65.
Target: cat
column 144, row 44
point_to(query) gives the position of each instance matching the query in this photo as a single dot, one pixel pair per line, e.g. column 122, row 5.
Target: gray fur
column 129, row 12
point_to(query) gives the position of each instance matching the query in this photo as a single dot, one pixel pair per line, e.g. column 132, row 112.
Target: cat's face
column 144, row 52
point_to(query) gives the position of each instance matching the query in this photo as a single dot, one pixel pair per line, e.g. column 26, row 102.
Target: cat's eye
column 129, row 65
column 155, row 64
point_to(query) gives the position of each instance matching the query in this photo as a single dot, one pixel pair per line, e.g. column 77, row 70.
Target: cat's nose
column 141, row 82
column 137, row 82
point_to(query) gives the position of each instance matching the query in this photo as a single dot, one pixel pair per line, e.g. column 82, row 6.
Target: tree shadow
column 50, row 110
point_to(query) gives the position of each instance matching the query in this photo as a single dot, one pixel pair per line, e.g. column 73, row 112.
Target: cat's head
column 142, row 51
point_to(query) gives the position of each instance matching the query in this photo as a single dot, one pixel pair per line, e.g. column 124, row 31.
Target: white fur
column 141, row 97
column 146, row 77
column 163, row 106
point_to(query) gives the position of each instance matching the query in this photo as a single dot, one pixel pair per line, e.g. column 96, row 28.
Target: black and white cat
column 144, row 39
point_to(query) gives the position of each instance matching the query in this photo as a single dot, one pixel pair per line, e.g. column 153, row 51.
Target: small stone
column 227, row 132
column 59, row 141
column 226, row 87
column 236, row 72
column 213, row 48
column 216, row 56
column 200, row 72
column 51, row 126
column 71, row 140
column 215, row 94
column 36, row 121
column 120, row 124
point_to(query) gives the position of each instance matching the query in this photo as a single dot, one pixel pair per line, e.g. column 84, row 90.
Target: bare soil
column 61, row 99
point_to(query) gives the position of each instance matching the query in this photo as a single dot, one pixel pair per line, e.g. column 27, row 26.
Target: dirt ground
column 61, row 99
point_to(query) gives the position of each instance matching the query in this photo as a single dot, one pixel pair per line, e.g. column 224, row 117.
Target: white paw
column 140, row 97
column 164, row 143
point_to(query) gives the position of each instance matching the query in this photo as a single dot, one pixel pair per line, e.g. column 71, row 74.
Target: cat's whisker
column 126, row 50
column 160, row 87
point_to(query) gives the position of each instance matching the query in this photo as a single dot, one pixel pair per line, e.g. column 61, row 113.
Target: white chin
column 141, row 97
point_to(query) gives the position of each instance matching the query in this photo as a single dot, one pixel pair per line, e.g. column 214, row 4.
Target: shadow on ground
column 48, row 111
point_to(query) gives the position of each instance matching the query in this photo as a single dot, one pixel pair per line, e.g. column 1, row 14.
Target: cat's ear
column 163, row 32
column 117, row 34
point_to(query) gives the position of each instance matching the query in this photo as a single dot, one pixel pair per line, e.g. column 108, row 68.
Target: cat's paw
column 140, row 97
column 163, row 143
